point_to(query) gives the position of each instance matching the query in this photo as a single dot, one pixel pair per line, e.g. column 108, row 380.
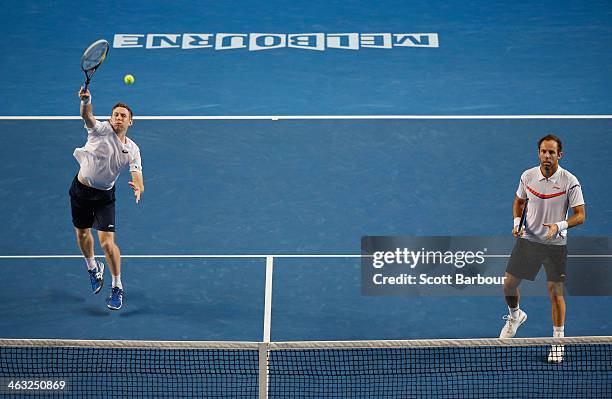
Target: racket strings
column 92, row 59
column 94, row 55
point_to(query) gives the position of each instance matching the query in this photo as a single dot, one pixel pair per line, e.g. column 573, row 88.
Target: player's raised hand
column 83, row 94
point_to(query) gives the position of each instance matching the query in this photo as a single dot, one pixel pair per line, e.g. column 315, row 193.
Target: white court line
column 314, row 117
column 180, row 256
column 195, row 256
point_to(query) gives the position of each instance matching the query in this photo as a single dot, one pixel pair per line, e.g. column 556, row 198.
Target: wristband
column 562, row 225
column 83, row 102
column 517, row 221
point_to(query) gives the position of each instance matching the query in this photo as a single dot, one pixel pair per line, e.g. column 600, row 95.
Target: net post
column 264, row 346
column 268, row 299
column 263, row 370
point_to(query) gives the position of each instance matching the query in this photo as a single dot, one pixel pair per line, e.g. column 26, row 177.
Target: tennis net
column 474, row 368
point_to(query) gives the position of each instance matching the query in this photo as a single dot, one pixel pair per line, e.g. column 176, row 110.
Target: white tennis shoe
column 512, row 325
column 556, row 354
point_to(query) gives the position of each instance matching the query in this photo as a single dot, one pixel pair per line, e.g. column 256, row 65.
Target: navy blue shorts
column 528, row 257
column 92, row 207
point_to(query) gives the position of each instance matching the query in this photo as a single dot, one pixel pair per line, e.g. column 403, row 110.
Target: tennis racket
column 523, row 218
column 92, row 58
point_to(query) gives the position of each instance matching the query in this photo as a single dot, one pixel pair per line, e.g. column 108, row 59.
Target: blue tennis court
column 252, row 187
column 288, row 131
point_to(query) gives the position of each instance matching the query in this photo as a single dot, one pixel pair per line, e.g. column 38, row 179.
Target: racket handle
column 84, row 90
column 86, row 84
column 523, row 221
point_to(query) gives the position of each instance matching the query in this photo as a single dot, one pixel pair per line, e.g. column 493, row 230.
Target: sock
column 514, row 312
column 91, row 263
column 117, row 281
column 558, row 332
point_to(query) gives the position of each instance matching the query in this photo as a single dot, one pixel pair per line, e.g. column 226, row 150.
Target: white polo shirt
column 103, row 156
column 549, row 201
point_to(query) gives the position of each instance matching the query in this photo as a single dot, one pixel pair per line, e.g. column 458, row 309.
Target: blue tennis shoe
column 96, row 277
column 115, row 300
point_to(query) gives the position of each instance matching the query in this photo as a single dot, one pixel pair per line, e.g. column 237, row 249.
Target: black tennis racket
column 523, row 218
column 92, row 58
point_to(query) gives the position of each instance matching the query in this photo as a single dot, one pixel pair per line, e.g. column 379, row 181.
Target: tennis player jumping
column 92, row 193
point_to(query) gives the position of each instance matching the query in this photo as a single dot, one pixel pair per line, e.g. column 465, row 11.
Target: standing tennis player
column 551, row 191
column 92, row 193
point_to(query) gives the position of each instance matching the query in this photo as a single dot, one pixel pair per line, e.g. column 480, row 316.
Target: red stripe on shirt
column 544, row 196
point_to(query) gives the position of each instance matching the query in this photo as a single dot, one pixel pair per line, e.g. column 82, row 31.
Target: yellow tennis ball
column 128, row 79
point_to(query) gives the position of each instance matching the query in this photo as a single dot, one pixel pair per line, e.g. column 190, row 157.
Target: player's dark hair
column 551, row 137
column 122, row 105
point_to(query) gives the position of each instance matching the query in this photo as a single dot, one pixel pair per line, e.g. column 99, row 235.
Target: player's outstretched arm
column 86, row 108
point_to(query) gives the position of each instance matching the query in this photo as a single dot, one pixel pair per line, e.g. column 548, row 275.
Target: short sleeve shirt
column 549, row 201
column 104, row 156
